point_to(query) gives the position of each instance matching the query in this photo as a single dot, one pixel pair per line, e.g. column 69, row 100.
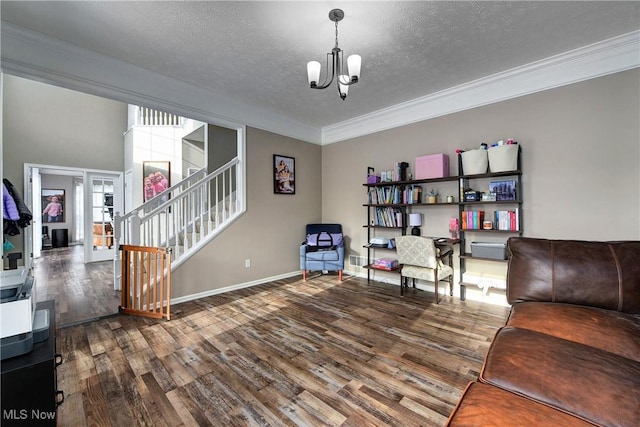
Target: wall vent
column 357, row 261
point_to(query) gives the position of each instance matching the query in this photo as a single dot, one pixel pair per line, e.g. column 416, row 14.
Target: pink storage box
column 433, row 166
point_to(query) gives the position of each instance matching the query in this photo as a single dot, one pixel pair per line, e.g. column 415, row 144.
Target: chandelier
column 343, row 80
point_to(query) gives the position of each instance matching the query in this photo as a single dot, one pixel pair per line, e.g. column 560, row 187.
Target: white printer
column 21, row 325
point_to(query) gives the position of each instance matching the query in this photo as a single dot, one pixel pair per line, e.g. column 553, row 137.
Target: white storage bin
column 474, row 162
column 503, row 158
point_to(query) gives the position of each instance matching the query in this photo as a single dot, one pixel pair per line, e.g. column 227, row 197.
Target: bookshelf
column 388, row 206
column 505, row 213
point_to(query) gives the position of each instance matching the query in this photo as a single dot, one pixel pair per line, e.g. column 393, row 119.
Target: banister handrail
column 200, row 183
column 159, row 197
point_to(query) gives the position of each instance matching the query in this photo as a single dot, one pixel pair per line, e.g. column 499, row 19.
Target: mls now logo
column 23, row 414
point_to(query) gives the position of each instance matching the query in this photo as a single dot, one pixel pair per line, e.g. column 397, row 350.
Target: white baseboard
column 217, row 291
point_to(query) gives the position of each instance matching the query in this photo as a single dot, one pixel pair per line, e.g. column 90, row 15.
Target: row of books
column 472, row 220
column 395, row 194
column 506, row 220
column 388, row 217
column 385, row 195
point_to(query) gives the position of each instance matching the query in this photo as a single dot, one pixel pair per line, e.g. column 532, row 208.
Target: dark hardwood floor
column 286, row 353
column 81, row 291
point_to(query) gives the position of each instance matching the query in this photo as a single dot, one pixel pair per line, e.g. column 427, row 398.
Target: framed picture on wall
column 284, row 174
column 156, row 177
column 52, row 205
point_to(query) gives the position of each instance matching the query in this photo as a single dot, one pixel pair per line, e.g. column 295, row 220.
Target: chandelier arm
column 327, row 82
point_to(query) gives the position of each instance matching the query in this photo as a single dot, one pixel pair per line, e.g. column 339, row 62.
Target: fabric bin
column 489, row 250
column 503, row 158
column 474, row 162
column 432, row 166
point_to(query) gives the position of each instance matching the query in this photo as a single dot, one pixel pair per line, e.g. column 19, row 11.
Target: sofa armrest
column 596, row 274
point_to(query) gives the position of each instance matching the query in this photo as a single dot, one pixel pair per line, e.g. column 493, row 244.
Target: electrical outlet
column 247, row 263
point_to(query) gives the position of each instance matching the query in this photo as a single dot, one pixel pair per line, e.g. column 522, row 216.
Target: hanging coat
column 9, row 205
column 23, row 210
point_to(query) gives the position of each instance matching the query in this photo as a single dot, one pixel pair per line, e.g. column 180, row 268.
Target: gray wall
column 223, row 143
column 271, row 230
column 580, row 155
column 48, row 125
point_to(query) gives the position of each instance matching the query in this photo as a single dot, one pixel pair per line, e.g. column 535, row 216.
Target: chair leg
column 304, row 275
column 435, row 282
column 340, row 274
column 402, row 279
column 451, row 285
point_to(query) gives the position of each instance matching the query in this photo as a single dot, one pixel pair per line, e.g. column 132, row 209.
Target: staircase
column 184, row 217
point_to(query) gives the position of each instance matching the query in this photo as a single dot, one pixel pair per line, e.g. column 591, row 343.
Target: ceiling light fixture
column 353, row 63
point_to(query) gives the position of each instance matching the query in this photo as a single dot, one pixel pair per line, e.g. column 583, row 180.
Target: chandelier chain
column 336, row 34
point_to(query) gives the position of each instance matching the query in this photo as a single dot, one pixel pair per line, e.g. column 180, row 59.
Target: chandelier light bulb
column 343, row 81
column 354, row 63
column 313, row 72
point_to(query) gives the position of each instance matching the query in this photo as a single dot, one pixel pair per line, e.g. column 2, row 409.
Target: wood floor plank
column 95, row 403
column 186, row 418
column 285, row 353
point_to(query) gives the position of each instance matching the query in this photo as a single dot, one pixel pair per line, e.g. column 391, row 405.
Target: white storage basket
column 503, row 158
column 474, row 162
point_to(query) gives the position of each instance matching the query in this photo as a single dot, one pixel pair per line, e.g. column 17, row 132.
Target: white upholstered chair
column 420, row 259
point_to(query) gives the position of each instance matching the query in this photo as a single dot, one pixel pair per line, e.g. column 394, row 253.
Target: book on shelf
column 386, row 263
column 504, row 190
column 464, row 185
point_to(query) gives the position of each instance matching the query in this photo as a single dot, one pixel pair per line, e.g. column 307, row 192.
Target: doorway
column 86, row 198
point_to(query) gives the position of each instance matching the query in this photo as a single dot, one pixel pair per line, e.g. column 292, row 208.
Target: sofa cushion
column 608, row 330
column 601, row 387
column 323, row 255
column 486, row 405
column 596, row 274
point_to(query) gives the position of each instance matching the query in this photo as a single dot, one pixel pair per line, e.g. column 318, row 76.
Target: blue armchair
column 323, row 249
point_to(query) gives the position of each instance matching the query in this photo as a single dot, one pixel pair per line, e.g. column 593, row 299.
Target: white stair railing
column 185, row 217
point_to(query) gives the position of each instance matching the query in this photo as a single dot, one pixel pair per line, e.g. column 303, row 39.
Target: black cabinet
column 30, row 393
column 60, row 237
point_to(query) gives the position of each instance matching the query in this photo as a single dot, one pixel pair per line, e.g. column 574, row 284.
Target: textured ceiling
column 256, row 52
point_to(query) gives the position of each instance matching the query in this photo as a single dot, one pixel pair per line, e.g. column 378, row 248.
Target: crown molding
column 33, row 55
column 607, row 57
column 38, row 57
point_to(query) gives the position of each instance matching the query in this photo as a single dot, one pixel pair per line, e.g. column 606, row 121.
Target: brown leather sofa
column 569, row 354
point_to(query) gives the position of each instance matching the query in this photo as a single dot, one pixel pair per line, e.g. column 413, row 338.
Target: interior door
column 103, row 197
column 36, row 205
column 33, row 234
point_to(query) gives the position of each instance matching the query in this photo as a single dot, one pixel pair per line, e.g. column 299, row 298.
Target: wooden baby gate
column 146, row 281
